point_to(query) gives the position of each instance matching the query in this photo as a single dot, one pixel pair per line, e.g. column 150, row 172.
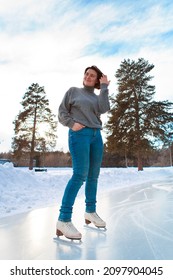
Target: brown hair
column 99, row 74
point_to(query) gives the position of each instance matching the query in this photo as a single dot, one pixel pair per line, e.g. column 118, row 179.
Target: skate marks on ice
column 139, row 222
column 139, row 226
column 67, row 249
column 142, row 220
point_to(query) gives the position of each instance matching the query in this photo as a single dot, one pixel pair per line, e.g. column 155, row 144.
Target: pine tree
column 135, row 120
column 35, row 125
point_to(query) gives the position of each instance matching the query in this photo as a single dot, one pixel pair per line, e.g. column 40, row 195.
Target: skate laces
column 71, row 227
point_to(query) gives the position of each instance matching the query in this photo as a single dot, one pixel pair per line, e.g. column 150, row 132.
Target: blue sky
column 52, row 41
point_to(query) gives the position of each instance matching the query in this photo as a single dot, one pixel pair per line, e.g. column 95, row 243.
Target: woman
column 80, row 110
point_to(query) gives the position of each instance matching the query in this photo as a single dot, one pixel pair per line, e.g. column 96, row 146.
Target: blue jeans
column 86, row 148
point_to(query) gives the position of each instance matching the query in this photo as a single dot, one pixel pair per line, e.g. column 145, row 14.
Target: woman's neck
column 90, row 89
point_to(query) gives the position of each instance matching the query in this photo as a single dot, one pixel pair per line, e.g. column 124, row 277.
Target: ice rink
column 139, row 227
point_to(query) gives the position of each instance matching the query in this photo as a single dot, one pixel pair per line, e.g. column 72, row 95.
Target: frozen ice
column 137, row 207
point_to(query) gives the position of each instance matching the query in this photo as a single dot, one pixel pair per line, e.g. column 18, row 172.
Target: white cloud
column 47, row 43
column 143, row 28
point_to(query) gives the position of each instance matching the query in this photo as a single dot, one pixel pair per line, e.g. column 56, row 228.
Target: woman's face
column 90, row 78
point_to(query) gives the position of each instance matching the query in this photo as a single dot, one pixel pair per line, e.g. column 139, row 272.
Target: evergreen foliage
column 136, row 122
column 35, row 125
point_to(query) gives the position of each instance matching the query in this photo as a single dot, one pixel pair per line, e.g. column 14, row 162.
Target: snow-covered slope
column 22, row 190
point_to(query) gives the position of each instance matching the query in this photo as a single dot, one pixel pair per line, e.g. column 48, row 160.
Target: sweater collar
column 90, row 89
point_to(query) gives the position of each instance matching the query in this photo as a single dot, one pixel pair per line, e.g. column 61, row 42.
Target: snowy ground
column 137, row 207
column 22, row 190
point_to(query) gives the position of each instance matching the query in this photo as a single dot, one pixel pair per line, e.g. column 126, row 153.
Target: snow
column 22, row 190
column 137, row 207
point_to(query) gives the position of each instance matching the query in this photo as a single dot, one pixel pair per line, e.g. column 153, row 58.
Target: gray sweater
column 82, row 105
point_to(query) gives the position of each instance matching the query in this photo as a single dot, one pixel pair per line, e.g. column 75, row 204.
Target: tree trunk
column 140, row 166
column 170, row 155
column 125, row 157
column 138, row 142
column 33, row 142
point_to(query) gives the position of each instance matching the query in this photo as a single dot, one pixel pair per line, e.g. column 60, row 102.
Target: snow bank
column 22, row 190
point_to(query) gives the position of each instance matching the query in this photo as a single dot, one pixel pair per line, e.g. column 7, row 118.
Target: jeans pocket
column 81, row 131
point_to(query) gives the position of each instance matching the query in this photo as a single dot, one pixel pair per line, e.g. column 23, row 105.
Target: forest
column 139, row 129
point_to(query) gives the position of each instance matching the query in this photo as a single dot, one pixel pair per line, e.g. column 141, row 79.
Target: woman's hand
column 104, row 80
column 77, row 126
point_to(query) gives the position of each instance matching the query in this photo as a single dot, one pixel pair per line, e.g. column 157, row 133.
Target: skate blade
column 66, row 240
column 95, row 228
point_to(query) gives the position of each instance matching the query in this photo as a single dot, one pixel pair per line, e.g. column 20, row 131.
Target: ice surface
column 137, row 206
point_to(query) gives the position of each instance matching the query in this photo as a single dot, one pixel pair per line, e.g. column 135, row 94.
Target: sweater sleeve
column 64, row 111
column 103, row 99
